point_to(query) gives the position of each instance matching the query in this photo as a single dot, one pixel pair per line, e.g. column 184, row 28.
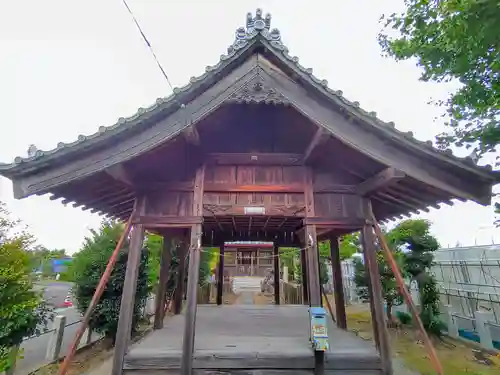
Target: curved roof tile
column 258, row 28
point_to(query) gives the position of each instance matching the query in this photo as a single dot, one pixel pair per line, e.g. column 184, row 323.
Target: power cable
column 148, row 44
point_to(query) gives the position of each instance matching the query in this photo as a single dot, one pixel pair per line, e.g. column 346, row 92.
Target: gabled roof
column 257, row 33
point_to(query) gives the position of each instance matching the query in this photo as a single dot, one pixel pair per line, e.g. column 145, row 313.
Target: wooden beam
column 237, row 188
column 256, row 158
column 312, row 254
column 338, row 288
column 304, row 275
column 123, row 334
column 215, row 187
column 381, row 180
column 153, row 221
column 334, row 222
column 102, row 197
column 252, row 210
column 316, row 140
column 310, row 243
column 377, row 308
column 422, row 205
column 320, row 187
column 192, row 136
column 220, row 275
column 161, row 292
column 403, row 202
column 193, row 276
column 120, row 174
column 182, row 250
column 276, row 266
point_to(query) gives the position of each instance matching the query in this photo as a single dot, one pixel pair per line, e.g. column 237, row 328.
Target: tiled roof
column 258, row 29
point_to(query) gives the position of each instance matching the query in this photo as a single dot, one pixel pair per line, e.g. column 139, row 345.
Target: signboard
column 254, row 210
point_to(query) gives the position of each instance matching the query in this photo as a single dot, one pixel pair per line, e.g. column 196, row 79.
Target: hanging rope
column 404, row 291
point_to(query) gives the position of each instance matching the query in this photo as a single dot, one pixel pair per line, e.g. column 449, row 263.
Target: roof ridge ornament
column 256, row 26
column 257, row 91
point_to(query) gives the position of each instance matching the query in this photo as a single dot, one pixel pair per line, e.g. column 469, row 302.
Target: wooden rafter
column 119, row 173
column 381, row 180
column 316, row 140
column 192, row 136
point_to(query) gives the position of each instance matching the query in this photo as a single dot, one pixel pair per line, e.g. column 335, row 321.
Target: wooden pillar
column 303, row 267
column 338, row 287
column 161, row 293
column 312, row 253
column 276, row 262
column 193, row 276
column 124, row 329
column 376, row 300
column 370, row 295
column 220, row 276
column 178, row 297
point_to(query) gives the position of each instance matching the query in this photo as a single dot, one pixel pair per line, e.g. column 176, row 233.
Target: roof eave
column 388, row 128
column 175, row 101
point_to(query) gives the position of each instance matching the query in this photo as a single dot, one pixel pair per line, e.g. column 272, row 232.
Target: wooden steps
column 250, row 340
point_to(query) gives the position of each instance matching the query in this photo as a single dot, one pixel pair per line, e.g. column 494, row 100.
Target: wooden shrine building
column 248, row 258
column 255, row 149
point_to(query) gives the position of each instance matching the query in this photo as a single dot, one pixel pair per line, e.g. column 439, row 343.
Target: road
column 35, row 349
column 54, row 292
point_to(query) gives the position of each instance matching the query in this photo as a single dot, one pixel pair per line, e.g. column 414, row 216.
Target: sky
column 68, row 67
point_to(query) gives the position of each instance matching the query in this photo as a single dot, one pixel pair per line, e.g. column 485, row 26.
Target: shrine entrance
column 246, row 258
column 255, row 149
column 246, row 262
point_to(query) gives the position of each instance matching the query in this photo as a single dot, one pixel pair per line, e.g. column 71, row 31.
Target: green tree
column 89, row 265
column 206, row 260
column 415, row 236
column 154, row 244
column 349, row 245
column 41, row 259
column 23, row 311
column 390, row 290
column 412, row 245
column 290, row 258
column 455, row 40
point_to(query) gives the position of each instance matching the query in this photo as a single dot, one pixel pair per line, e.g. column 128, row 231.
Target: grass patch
column 92, row 356
column 84, row 360
column 456, row 357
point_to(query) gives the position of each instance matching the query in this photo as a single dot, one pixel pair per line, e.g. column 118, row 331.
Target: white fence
column 469, row 284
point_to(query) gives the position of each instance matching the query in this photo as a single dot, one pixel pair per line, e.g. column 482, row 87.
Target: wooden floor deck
column 250, row 338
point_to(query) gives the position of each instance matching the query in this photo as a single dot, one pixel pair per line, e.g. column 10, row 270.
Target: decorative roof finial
column 32, row 151
column 474, row 156
column 257, row 22
column 256, row 26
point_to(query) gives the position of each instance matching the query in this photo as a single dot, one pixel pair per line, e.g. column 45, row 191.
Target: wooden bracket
column 120, row 173
column 381, row 180
column 319, row 137
column 192, row 136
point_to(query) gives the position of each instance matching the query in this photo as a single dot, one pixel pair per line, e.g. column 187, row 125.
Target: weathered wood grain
column 250, row 337
column 253, row 372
